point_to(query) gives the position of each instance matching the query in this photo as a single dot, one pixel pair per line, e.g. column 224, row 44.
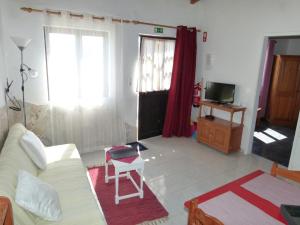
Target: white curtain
column 156, row 64
column 83, row 82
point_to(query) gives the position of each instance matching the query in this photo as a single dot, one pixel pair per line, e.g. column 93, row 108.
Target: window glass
column 156, row 63
column 76, row 66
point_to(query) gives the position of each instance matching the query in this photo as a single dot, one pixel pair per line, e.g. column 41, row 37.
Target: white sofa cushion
column 70, row 179
column 37, row 197
column 65, row 173
column 33, row 146
column 12, row 159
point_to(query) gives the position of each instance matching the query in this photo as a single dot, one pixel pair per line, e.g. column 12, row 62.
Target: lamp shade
column 20, row 42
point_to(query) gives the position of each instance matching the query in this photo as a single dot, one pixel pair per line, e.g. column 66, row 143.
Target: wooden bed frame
column 198, row 217
column 6, row 214
column 282, row 172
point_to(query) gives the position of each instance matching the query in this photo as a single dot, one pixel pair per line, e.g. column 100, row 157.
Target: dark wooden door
column 297, row 97
column 152, row 110
column 284, row 99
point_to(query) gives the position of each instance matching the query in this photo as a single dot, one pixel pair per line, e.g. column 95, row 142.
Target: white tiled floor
column 178, row 169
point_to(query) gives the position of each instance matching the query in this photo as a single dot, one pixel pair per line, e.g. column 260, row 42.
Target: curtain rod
column 136, row 22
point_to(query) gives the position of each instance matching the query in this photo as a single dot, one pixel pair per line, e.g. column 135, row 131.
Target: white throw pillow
column 37, row 197
column 34, row 148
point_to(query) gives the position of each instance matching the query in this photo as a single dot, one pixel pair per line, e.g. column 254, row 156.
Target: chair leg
column 106, row 171
column 141, row 184
column 117, row 187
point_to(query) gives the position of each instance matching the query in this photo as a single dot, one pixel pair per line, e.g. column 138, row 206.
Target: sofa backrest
column 12, row 159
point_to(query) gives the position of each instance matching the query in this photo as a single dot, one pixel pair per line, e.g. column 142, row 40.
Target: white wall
column 281, row 47
column 18, row 23
column 2, row 65
column 3, row 110
column 294, row 163
column 294, row 47
column 236, row 34
column 287, row 46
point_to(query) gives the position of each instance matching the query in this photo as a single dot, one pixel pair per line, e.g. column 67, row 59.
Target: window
column 76, row 66
column 156, row 58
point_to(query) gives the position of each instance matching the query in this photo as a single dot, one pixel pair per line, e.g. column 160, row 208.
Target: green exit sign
column 158, row 30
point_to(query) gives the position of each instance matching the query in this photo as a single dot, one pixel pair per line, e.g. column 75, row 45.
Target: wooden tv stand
column 223, row 135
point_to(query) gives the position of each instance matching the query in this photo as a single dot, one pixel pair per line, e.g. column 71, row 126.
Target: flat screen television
column 219, row 92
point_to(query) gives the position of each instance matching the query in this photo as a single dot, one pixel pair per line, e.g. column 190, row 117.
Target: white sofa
column 65, row 172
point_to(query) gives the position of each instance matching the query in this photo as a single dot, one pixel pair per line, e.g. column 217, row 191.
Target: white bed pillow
column 34, row 148
column 37, row 197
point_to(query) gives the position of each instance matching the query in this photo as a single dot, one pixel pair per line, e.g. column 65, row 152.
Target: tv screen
column 219, row 92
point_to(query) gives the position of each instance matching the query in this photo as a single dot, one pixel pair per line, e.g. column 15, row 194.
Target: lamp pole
column 25, row 70
column 22, row 87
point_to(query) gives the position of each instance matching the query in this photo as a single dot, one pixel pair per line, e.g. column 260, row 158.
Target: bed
column 253, row 199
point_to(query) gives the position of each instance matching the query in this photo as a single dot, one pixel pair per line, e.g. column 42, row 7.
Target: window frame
column 79, row 33
column 141, row 37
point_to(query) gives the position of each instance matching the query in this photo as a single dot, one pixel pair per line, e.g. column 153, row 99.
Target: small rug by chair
column 254, row 199
column 138, row 145
column 130, row 211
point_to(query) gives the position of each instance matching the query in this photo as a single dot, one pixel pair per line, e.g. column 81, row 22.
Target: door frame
column 141, row 36
column 265, row 39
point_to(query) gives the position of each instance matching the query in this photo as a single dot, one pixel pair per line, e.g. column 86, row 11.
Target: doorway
column 279, row 100
column 152, row 110
column 156, row 65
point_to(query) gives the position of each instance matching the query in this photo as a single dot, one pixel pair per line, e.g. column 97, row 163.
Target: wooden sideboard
column 223, row 135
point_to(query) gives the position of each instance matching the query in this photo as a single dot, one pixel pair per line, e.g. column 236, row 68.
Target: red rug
column 130, row 211
column 237, row 188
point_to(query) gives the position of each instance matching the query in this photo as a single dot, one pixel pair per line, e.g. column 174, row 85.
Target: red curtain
column 178, row 114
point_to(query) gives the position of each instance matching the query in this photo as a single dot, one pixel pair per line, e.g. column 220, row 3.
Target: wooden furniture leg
column 6, row 214
column 198, row 217
column 290, row 174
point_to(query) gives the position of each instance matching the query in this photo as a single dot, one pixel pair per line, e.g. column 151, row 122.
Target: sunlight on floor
column 183, row 169
column 264, row 138
column 155, row 157
column 275, row 134
column 267, row 136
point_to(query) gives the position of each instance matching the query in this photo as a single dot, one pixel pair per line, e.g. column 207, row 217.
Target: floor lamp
column 25, row 71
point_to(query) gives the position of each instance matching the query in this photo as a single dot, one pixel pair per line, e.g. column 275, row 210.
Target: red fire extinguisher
column 197, row 94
